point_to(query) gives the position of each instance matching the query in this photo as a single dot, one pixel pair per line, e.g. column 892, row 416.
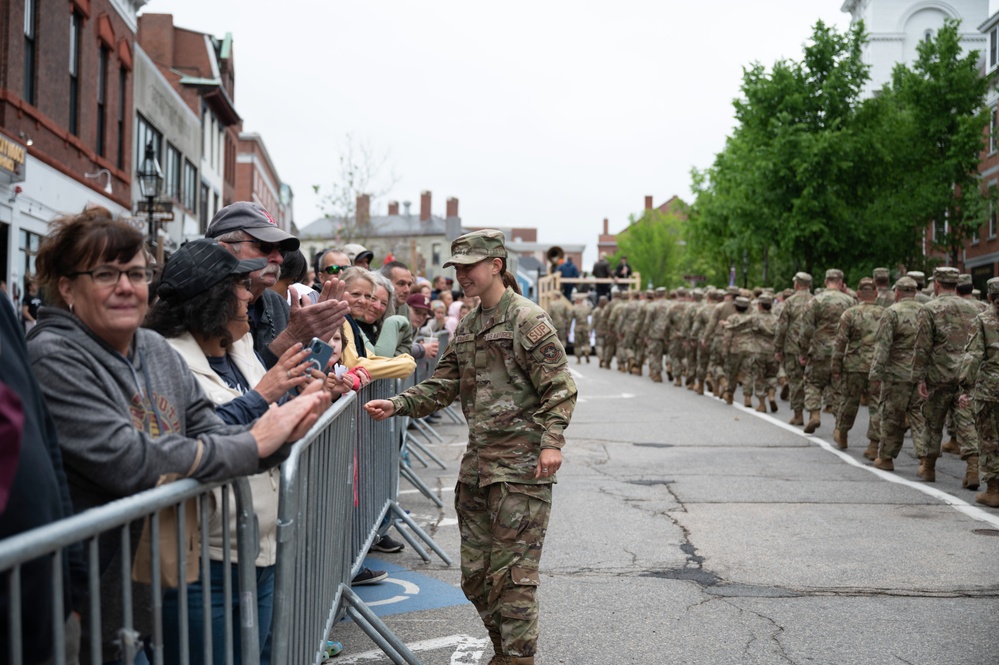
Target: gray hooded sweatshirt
column 124, row 422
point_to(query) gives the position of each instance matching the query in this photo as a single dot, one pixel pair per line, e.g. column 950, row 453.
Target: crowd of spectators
column 134, row 374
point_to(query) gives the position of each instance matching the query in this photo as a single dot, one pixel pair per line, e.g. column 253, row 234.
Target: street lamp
column 150, row 184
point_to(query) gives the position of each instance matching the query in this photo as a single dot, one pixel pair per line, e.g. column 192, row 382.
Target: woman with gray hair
column 390, row 333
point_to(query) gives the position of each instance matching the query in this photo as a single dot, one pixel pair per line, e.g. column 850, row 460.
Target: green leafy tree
column 654, row 246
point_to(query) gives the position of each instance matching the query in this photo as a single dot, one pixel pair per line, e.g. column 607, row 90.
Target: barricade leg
column 450, row 412
column 427, row 452
column 408, row 474
column 419, row 458
column 427, row 430
column 402, row 515
column 377, row 630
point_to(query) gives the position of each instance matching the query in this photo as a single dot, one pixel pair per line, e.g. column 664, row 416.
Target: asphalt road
column 688, row 531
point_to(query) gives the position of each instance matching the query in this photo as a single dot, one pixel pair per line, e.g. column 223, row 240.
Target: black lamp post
column 150, row 185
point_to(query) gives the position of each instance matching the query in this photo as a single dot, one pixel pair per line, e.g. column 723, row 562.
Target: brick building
column 257, row 179
column 65, row 117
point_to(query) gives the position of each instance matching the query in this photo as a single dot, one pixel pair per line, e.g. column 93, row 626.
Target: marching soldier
column 788, row 350
column 674, row 366
column 739, row 347
column 891, row 373
column 851, row 365
column 703, row 341
column 599, row 322
column 920, row 278
column 979, row 381
column 580, row 319
column 560, row 310
column 882, row 282
column 713, row 336
column 818, row 332
column 966, row 290
column 657, row 319
column 765, row 364
column 944, row 326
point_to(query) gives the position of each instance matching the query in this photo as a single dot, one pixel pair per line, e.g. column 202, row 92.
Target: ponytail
column 509, row 280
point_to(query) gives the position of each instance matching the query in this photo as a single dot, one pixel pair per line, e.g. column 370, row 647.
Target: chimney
column 452, row 207
column 406, row 205
column 648, row 203
column 606, row 231
column 363, row 214
column 425, row 206
column 393, row 208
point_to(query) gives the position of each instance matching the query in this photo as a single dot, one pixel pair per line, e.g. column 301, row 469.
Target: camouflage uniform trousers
column 942, row 399
column 676, row 356
column 819, row 377
column 704, row 354
column 608, row 348
column 691, row 357
column 899, row 399
column 717, row 361
column 630, row 345
column 740, row 367
column 987, row 423
column 795, row 382
column 581, row 341
column 502, row 530
column 622, row 351
column 764, row 373
column 855, row 386
column 654, row 351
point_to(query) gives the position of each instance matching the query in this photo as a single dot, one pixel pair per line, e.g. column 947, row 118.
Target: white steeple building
column 895, row 28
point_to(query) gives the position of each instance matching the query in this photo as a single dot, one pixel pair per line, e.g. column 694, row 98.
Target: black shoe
column 368, row 576
column 387, row 544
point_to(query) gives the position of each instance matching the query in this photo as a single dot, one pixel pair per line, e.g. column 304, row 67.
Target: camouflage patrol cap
column 698, row 294
column 765, row 298
column 477, row 246
column 993, row 286
column 787, row 293
column 963, row 278
column 732, row 290
column 946, row 275
column 881, row 273
column 742, row 302
column 866, row 284
column 803, row 278
column 603, row 299
column 578, row 295
column 661, row 289
column 834, row 273
column 918, row 276
column 682, row 292
column 905, row 283
column 977, row 293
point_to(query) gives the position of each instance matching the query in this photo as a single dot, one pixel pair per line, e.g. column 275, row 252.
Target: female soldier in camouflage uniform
column 506, row 362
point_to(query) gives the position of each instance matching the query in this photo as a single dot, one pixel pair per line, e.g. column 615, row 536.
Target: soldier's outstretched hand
column 380, row 409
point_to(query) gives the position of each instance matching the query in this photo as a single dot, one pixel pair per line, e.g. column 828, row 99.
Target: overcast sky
column 551, row 114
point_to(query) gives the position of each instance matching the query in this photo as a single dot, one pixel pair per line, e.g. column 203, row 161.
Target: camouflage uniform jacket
column 764, row 327
column 896, row 345
column 636, row 318
column 979, row 375
column 516, row 391
column 886, row 298
column 789, row 323
column 659, row 317
column 700, row 323
column 599, row 320
column 739, row 334
column 944, row 328
column 720, row 314
column 980, row 304
column 560, row 312
column 614, row 316
column 676, row 315
column 855, row 338
column 687, row 322
column 819, row 323
column 625, row 312
column 580, row 316
column 650, row 308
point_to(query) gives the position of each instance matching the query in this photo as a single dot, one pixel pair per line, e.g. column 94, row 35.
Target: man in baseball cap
column 248, row 231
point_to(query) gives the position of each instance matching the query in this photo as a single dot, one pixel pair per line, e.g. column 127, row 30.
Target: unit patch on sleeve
column 551, row 352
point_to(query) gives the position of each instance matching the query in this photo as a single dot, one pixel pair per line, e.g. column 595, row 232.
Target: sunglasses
column 334, row 270
column 265, row 247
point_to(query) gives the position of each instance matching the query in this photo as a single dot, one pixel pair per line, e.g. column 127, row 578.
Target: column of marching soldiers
column 920, row 358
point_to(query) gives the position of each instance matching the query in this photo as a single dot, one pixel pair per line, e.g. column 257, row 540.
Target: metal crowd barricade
column 53, row 541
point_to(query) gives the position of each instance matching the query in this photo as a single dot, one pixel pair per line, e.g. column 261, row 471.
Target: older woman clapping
column 126, row 407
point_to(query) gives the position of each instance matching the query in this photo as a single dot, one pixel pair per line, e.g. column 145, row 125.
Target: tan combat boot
column 971, row 474
column 814, row 420
column 885, row 464
column 587, row 358
column 928, row 468
column 728, row 398
column 872, row 450
column 656, row 377
column 797, row 419
column 989, row 497
column 771, row 396
column 762, row 408
column 828, row 409
column 636, row 369
column 678, row 381
column 839, row 436
column 747, row 401
column 951, row 447
column 699, row 388
column 579, row 360
column 669, row 371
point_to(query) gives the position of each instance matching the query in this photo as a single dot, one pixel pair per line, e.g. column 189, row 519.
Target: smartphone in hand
column 320, row 354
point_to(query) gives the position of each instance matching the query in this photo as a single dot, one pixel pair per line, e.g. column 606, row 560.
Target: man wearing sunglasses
column 331, row 263
column 248, row 231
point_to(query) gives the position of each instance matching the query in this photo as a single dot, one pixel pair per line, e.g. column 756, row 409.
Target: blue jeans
column 171, row 632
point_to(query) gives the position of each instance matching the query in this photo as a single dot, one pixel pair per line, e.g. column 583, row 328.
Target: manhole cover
column 986, row 532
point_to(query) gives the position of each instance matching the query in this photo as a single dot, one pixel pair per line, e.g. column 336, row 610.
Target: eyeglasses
column 108, row 276
column 361, row 294
column 265, row 247
column 334, row 270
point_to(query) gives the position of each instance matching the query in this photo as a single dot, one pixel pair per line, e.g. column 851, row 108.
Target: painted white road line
column 583, row 400
column 408, row 588
column 957, row 504
column 443, row 489
column 468, row 650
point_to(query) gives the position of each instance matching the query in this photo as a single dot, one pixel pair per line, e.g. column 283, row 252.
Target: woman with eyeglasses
column 358, row 350
column 126, row 407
